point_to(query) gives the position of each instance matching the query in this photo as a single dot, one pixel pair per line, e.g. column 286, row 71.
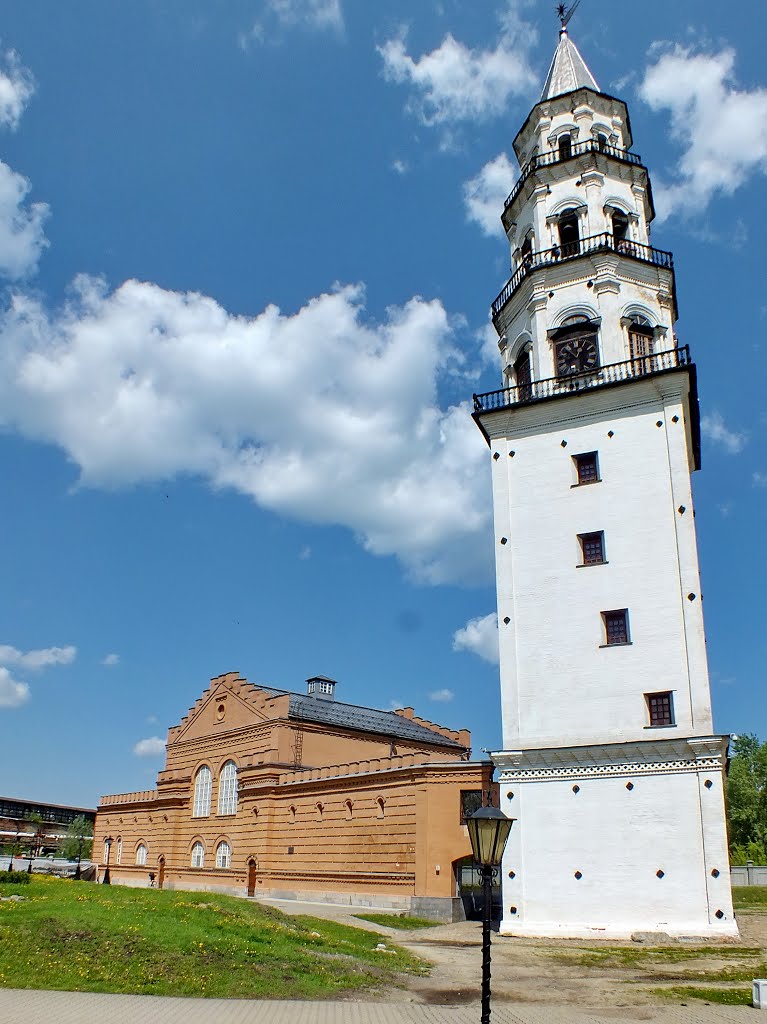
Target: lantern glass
column 489, row 829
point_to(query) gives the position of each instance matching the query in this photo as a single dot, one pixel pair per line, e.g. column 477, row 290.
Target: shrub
column 15, row 878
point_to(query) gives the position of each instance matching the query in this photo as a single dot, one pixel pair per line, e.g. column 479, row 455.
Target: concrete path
column 344, row 913
column 19, row 1006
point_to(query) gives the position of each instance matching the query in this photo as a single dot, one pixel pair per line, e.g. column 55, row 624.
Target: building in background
column 271, row 793
column 29, row 826
column 610, row 763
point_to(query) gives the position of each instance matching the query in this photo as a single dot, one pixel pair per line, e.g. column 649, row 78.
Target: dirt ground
column 589, row 974
column 534, row 971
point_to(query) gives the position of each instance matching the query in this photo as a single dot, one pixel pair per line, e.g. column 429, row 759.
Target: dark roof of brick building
column 353, row 716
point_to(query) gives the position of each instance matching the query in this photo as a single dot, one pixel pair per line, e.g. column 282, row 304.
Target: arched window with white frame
column 641, row 344
column 119, row 850
column 223, row 854
column 202, row 788
column 141, row 855
column 227, row 789
column 198, row 855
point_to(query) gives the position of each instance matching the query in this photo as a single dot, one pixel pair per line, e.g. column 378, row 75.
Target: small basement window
column 660, row 708
column 616, row 627
column 592, row 548
column 587, row 468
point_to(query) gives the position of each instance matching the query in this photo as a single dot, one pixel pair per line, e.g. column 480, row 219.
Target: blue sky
column 247, row 253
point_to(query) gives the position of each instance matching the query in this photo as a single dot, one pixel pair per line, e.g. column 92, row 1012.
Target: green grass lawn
column 398, row 921
column 728, row 996
column 750, row 897
column 638, row 956
column 82, row 937
column 681, row 969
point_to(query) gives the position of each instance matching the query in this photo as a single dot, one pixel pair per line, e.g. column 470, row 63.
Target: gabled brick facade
column 334, row 802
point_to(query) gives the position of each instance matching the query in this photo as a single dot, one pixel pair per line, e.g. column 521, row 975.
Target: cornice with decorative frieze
column 244, row 732
column 682, row 755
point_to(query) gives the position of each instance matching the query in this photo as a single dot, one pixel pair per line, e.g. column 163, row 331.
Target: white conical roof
column 568, row 70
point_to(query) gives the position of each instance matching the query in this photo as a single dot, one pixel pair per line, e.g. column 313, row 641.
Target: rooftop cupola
column 568, row 70
column 322, row 687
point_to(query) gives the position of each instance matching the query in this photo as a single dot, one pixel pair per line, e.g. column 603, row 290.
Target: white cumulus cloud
column 485, row 194
column 110, row 660
column 314, row 15
column 151, row 747
column 22, row 239
column 455, row 82
column 442, row 696
column 16, row 88
column 38, row 659
column 12, row 693
column 142, row 384
column 716, row 430
column 480, row 636
column 759, row 479
column 721, row 129
column 308, row 13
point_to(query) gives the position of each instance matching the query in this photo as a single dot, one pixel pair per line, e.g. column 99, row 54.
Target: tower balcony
column 605, row 242
column 558, row 156
column 576, row 383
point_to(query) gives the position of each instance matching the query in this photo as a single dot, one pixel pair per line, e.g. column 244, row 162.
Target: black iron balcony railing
column 584, row 246
column 555, row 156
column 556, row 387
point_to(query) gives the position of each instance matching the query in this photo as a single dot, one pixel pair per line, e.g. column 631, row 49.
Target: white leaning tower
column 609, row 762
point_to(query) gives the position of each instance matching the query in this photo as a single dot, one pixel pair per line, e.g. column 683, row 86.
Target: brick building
column 281, row 794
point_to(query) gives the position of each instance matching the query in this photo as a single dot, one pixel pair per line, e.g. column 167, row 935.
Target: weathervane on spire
column 566, row 13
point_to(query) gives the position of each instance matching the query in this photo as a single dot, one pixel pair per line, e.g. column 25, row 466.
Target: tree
column 79, row 841
column 15, row 843
column 37, row 823
column 747, row 800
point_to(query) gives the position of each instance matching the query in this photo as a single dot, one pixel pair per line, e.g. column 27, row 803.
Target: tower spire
column 568, row 70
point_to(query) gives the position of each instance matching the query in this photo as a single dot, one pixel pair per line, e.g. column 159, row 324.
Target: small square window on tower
column 587, row 468
column 592, row 548
column 660, row 708
column 616, row 627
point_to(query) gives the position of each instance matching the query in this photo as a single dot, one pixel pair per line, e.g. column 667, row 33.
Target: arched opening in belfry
column 565, row 147
column 620, row 224
column 523, row 375
column 569, row 233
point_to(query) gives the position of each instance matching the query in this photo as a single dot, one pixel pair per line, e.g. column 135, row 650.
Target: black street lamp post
column 80, row 841
column 488, row 830
column 108, row 843
column 14, row 846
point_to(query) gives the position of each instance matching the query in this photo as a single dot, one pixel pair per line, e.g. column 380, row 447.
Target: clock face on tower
column 577, row 355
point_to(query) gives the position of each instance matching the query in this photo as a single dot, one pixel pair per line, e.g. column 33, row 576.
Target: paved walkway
column 19, row 1006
